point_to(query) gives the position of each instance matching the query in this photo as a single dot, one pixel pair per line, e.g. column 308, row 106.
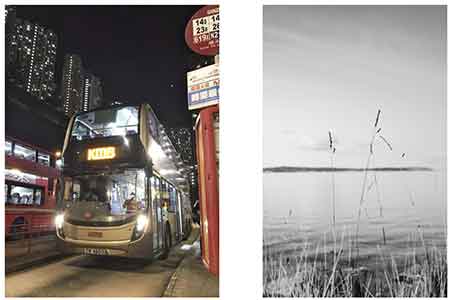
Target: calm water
column 298, row 210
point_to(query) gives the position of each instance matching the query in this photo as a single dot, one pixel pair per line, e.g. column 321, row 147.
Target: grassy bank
column 335, row 274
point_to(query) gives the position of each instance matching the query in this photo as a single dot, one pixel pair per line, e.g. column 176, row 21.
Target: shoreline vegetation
column 422, row 272
column 287, row 169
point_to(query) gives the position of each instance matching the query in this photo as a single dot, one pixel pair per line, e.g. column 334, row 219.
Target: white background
column 240, row 137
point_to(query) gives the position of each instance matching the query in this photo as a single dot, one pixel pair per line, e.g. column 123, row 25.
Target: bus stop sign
column 202, row 33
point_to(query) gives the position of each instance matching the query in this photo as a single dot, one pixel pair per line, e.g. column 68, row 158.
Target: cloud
column 322, row 144
column 318, row 143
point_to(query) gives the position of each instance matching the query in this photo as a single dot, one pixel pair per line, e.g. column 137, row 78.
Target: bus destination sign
column 202, row 33
column 101, row 153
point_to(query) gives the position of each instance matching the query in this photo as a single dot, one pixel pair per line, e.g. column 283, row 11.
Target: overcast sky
column 333, row 67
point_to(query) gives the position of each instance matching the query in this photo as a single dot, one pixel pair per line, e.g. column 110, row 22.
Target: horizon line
column 283, row 169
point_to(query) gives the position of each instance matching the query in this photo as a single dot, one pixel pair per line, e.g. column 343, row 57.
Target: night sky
column 139, row 52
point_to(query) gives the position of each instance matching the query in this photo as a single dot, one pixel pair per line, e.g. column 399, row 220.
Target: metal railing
column 27, row 239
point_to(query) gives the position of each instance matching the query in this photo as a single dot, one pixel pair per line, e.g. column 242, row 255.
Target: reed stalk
column 333, row 186
column 363, row 187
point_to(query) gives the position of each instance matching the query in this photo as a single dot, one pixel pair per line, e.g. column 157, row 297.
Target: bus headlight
column 59, row 220
column 142, row 221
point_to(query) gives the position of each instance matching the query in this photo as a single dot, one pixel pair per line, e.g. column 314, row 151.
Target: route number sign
column 202, row 33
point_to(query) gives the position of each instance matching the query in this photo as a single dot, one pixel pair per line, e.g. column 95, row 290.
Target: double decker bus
column 123, row 190
column 30, row 179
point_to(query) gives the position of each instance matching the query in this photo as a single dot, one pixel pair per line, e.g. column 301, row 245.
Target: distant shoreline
column 285, row 169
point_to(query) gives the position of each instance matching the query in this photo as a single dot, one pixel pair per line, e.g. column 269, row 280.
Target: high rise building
column 92, row 92
column 182, row 140
column 72, row 84
column 10, row 28
column 30, row 55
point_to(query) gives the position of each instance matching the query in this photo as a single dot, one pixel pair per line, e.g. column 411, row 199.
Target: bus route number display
column 101, row 153
column 202, row 33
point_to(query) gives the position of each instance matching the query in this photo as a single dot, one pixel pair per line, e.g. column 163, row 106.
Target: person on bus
column 131, row 204
column 91, row 195
column 101, row 189
column 97, row 190
column 15, row 198
column 165, row 211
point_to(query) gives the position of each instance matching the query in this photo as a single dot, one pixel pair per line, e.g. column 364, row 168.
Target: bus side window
column 21, row 195
column 7, row 195
column 38, row 196
column 67, row 196
column 75, row 192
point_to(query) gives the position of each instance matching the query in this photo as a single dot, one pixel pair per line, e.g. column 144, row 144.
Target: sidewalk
column 191, row 278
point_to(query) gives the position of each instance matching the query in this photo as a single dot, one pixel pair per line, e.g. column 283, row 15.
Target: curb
column 172, row 282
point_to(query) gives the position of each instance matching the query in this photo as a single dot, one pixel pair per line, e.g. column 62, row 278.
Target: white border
column 240, row 135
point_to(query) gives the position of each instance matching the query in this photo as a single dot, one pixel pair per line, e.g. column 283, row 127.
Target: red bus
column 207, row 151
column 30, row 181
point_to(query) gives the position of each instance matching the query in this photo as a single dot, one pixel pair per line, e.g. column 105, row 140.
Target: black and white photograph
column 354, row 151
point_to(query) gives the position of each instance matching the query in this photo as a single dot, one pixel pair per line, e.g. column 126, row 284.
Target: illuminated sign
column 101, row 153
column 203, row 87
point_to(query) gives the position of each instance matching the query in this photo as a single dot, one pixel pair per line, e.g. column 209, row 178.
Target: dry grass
column 335, row 274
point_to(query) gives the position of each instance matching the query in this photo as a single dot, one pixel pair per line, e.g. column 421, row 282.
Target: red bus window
column 6, row 193
column 38, row 196
column 24, row 152
column 21, row 195
column 8, row 148
column 43, row 159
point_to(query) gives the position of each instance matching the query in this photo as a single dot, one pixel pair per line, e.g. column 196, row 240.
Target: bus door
column 179, row 223
column 156, row 213
column 174, row 205
column 163, row 199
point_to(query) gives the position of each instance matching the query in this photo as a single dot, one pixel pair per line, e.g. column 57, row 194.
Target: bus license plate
column 96, row 251
column 95, row 234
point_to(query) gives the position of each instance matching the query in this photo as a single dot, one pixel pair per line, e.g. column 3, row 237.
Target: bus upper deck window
column 24, row 152
column 8, row 148
column 44, row 159
column 106, row 122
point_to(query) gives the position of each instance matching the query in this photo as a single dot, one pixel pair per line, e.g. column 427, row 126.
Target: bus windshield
column 107, row 122
column 118, row 193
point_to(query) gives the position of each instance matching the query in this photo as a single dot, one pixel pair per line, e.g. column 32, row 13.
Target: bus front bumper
column 139, row 249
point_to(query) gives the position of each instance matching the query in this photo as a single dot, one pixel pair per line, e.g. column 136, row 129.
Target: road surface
column 91, row 276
